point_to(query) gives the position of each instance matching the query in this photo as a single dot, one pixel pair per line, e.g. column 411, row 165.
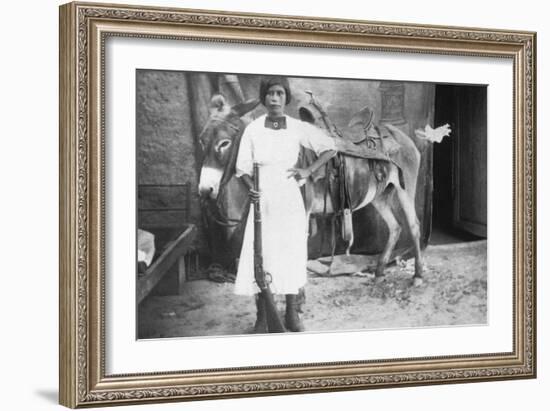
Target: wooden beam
column 160, row 267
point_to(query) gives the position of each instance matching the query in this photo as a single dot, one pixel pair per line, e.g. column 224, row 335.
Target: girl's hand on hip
column 299, row 173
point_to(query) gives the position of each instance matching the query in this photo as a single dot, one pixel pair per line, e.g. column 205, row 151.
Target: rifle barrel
column 274, row 323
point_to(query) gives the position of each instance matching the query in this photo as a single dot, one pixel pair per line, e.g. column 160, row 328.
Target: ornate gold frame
column 83, row 30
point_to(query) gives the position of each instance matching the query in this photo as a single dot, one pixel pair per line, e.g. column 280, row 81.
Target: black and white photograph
column 282, row 203
column 275, row 205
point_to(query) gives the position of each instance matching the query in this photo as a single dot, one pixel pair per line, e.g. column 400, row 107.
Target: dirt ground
column 454, row 292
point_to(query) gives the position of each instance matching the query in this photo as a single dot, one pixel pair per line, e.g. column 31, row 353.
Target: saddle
column 378, row 144
column 380, row 139
column 377, row 137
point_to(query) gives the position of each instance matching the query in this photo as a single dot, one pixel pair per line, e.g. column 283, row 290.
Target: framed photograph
column 260, row 204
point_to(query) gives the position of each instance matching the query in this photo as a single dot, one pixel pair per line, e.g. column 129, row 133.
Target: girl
column 274, row 141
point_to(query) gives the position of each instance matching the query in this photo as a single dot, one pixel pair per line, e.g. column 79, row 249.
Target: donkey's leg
column 414, row 226
column 382, row 205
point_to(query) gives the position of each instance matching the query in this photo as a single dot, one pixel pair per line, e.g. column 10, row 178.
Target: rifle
column 274, row 323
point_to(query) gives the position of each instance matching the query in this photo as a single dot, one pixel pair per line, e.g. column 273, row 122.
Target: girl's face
column 275, row 100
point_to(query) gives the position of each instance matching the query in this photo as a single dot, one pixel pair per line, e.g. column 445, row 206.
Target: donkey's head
column 219, row 142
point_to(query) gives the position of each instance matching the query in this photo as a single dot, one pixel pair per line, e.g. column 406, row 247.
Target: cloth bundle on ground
column 146, row 247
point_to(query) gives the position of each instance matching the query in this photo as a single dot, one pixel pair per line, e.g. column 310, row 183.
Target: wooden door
column 470, row 206
column 465, row 109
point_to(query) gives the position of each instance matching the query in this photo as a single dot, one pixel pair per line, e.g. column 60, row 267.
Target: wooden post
column 182, row 275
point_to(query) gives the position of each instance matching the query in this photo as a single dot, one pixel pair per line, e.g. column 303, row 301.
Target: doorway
column 459, row 210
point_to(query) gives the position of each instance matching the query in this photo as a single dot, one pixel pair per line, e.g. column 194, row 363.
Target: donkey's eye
column 223, row 145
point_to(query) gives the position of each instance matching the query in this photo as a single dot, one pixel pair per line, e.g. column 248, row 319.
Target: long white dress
column 284, row 225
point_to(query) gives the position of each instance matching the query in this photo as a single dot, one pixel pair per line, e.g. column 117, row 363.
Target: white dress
column 284, row 225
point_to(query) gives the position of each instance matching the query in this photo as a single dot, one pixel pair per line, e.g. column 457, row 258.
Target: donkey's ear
column 242, row 108
column 217, row 103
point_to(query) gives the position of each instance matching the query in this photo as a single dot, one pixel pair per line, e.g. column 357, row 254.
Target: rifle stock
column 274, row 323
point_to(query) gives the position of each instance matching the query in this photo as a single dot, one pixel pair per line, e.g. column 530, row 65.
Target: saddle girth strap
column 347, row 223
column 325, row 194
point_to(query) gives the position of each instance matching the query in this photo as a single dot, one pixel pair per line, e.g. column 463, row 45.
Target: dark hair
column 267, row 82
